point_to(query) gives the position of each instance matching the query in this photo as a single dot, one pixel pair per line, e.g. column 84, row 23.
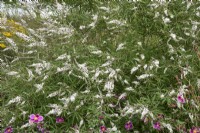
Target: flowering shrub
column 127, row 66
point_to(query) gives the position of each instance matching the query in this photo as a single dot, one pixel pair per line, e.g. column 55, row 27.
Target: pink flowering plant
column 8, row 130
column 99, row 66
column 35, row 118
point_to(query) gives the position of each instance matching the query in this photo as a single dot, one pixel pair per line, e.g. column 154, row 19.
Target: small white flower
column 142, row 56
column 56, row 111
column 135, row 69
column 136, row 83
column 98, row 96
column 62, row 69
column 129, row 89
column 191, row 117
column 86, row 91
column 120, row 46
column 96, row 75
column 23, row 36
column 108, row 63
column 109, row 95
column 39, row 87
column 13, row 44
column 81, row 123
column 144, row 76
column 129, row 111
column 139, row 43
column 40, row 44
column 165, row 70
column 117, row 22
column 73, row 97
column 53, row 94
column 122, row 96
column 168, row 126
column 173, row 36
column 109, row 85
column 30, row 74
column 83, row 68
column 145, row 66
column 171, row 49
column 82, row 27
column 61, row 57
column 144, row 112
column 166, row 20
column 162, row 96
column 114, row 129
column 12, row 73
column 97, row 52
column 157, row 14
column 12, row 120
column 156, row 63
column 15, row 100
column 27, row 125
column 105, row 8
column 166, row 13
column 111, row 105
column 195, row 105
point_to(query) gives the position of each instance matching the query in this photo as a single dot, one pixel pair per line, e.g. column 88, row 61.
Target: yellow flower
column 7, row 34
column 2, row 45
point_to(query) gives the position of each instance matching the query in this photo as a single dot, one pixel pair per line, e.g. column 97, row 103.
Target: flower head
column 156, row 125
column 2, row 45
column 129, row 125
column 35, row 118
column 195, row 130
column 8, row 130
column 180, row 99
column 102, row 129
column 59, row 120
column 7, row 34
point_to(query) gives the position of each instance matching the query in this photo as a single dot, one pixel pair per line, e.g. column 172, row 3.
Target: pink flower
column 8, row 130
column 129, row 125
column 195, row 130
column 156, row 125
column 180, row 99
column 59, row 120
column 102, row 129
column 35, row 118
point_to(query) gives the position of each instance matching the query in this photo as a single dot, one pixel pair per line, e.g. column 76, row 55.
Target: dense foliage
column 100, row 66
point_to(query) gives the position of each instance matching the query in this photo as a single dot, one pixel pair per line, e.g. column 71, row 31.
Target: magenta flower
column 59, row 120
column 156, row 125
column 8, row 130
column 195, row 130
column 181, row 99
column 129, row 125
column 35, row 118
column 103, row 129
